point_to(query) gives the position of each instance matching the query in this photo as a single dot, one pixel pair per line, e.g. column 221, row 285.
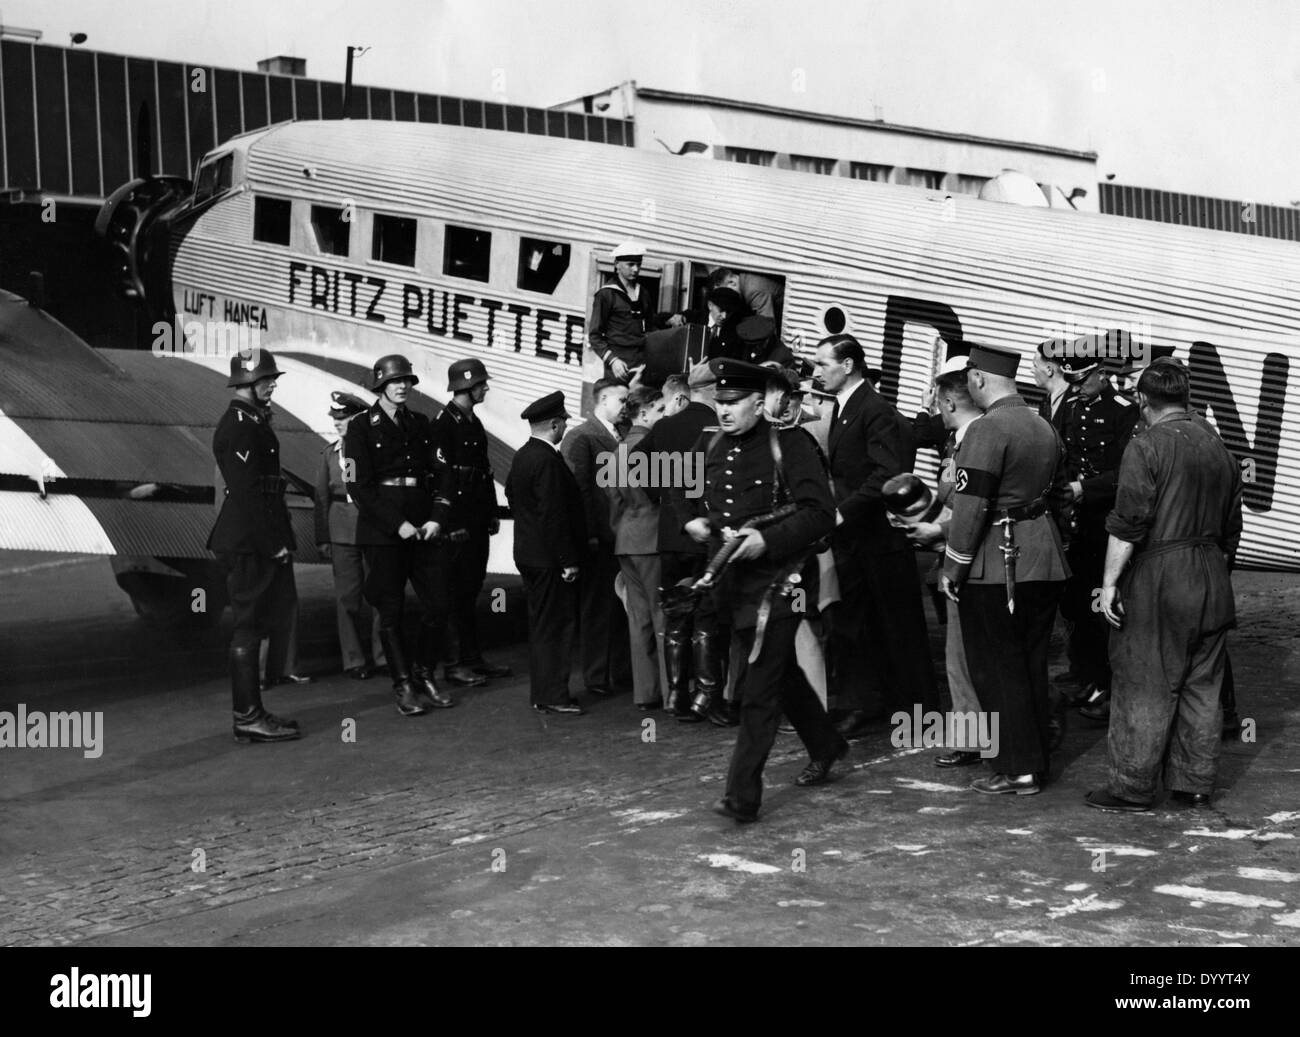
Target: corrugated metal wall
column 1191, row 210
column 68, row 115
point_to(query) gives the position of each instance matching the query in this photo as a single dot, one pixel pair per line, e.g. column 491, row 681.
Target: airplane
column 333, row 243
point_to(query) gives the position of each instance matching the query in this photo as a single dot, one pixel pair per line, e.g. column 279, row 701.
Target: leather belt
column 1025, row 512
column 405, row 480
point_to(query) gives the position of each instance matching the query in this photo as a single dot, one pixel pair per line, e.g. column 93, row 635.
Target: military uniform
column 396, row 477
column 744, row 479
column 472, row 521
column 1008, row 467
column 251, row 531
column 1095, row 432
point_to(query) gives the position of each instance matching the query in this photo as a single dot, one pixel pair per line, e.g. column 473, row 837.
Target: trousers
column 263, row 603
column 467, row 563
column 355, row 619
column 552, row 626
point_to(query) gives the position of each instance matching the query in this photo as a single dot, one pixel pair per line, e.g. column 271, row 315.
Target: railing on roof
column 1190, row 210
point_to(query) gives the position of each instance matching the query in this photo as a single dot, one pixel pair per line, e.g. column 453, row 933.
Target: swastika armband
column 976, row 483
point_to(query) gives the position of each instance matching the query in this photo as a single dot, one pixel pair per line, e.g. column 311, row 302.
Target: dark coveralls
column 1095, row 433
column 1008, row 464
column 252, row 526
column 741, row 482
column 473, row 493
column 1179, row 501
column 396, row 478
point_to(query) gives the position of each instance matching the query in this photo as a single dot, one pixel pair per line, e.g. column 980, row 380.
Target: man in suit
column 602, row 623
column 635, row 518
column 392, row 471
column 880, row 645
column 751, row 470
column 253, row 539
column 1049, row 376
column 550, row 537
column 1008, row 479
column 693, row 643
column 336, row 539
column 464, row 445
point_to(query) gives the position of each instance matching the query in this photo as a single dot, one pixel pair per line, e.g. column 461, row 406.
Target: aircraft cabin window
column 394, row 240
column 542, row 264
column 467, row 253
column 271, row 220
column 330, row 229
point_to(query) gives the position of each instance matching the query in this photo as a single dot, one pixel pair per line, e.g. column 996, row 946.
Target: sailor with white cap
column 621, row 313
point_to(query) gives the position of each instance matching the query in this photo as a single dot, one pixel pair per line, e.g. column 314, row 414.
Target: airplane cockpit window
column 330, row 229
column 394, row 240
column 214, row 177
column 467, row 253
column 271, row 220
column 542, row 264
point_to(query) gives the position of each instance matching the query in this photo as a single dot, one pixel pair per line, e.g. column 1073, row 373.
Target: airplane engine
column 137, row 238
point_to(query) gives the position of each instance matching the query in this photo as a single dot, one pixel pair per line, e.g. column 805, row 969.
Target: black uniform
column 464, row 445
column 394, row 475
column 1095, row 433
column 550, row 535
column 251, row 528
column 742, row 482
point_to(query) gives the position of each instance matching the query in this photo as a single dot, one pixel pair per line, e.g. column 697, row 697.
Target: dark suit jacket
column 582, row 448
column 678, row 434
column 550, row 529
column 869, row 444
column 253, row 518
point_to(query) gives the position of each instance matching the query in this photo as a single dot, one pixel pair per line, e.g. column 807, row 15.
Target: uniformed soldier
column 550, row 537
column 1004, row 565
column 336, row 539
column 253, row 539
column 392, row 471
column 473, row 518
column 1097, row 426
column 751, row 470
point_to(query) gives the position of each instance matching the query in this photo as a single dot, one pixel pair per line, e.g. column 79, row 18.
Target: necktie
column 835, row 413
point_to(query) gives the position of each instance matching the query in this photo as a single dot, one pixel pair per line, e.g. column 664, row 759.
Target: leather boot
column 409, row 702
column 252, row 723
column 676, row 649
column 704, row 660
column 428, row 650
column 427, row 689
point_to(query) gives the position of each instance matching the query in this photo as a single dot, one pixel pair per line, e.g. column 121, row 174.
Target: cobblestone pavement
column 490, row 824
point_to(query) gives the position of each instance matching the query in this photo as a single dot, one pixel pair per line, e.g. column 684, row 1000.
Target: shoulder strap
column 780, row 486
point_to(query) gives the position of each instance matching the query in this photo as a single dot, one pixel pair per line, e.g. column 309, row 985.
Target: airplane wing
column 109, row 451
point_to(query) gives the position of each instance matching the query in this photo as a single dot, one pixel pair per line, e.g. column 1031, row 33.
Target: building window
column 963, row 184
column 812, row 164
column 271, row 220
column 869, row 171
column 467, row 253
column 542, row 264
column 748, row 156
column 929, row 178
column 393, row 240
column 330, row 229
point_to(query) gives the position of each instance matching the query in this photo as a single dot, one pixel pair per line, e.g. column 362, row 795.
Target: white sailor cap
column 630, row 249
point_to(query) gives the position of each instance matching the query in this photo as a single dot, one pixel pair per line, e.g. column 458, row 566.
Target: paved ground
column 488, row 824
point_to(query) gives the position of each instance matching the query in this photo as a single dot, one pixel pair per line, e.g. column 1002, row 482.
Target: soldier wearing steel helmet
column 392, row 470
column 253, row 539
column 473, row 520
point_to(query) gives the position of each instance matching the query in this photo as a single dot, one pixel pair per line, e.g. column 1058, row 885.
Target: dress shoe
column 857, row 723
column 725, row 715
column 1097, row 708
column 1100, row 799
column 564, row 709
column 688, row 716
column 257, row 725
column 599, row 690
column 287, row 678
column 463, row 676
column 653, row 706
column 490, row 671
column 958, row 758
column 785, row 727
column 1190, row 799
column 1000, row 784
column 360, row 673
column 410, row 703
column 819, row 771
column 728, row 807
column 427, row 690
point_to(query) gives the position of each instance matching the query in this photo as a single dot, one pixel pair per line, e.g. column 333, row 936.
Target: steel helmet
column 249, row 367
column 463, row 375
column 390, row 368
